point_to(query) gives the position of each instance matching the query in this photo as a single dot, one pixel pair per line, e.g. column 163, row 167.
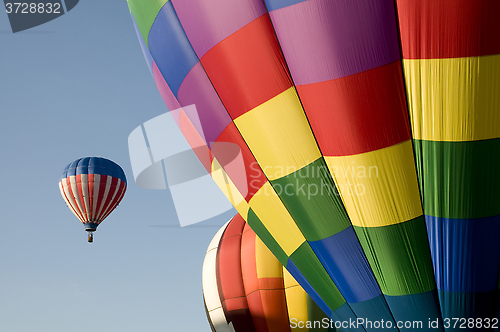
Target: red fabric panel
column 102, row 188
column 271, row 283
column 236, row 303
column 229, row 262
column 247, row 68
column 253, row 178
column 257, row 311
column 275, row 309
column 229, row 277
column 250, row 281
column 267, row 307
column 108, row 203
column 195, row 141
column 73, row 199
column 432, row 29
column 118, row 197
column 90, row 178
column 234, row 228
column 79, row 185
column 265, row 296
column 358, row 113
column 248, row 262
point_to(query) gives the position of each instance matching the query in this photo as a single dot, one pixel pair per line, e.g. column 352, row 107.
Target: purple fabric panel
column 328, row 39
column 198, row 90
column 206, row 23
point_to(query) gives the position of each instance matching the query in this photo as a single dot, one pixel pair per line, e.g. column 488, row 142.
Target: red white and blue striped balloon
column 92, row 187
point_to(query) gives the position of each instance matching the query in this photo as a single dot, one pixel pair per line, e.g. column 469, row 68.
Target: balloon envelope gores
column 92, row 188
column 282, row 79
column 246, row 288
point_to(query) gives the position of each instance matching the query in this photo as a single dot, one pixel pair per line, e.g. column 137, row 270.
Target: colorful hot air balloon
column 245, row 288
column 372, row 179
column 92, row 188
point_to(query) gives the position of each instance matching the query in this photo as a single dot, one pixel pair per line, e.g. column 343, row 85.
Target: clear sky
column 73, row 87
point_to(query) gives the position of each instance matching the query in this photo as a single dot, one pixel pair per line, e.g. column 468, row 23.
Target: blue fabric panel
column 347, row 320
column 277, row 4
column 170, row 47
column 465, row 253
column 374, row 310
column 67, row 171
column 290, row 266
column 345, row 262
column 94, row 165
column 468, row 305
column 105, row 166
column 415, row 308
column 342, row 314
column 71, row 168
column 83, row 166
column 145, row 50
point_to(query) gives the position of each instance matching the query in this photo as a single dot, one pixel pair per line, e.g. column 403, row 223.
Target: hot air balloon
column 92, row 187
column 370, row 133
column 245, row 288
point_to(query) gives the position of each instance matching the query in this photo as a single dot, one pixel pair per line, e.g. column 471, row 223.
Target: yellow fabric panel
column 229, row 189
column 279, row 136
column 268, row 266
column 454, row 99
column 380, row 187
column 275, row 217
column 296, row 300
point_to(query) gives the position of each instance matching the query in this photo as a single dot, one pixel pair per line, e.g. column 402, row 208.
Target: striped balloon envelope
column 370, row 131
column 92, row 188
column 245, row 288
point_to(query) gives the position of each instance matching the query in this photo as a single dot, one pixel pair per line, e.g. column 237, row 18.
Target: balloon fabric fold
column 245, row 288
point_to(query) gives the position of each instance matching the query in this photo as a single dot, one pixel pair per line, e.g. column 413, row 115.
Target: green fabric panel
column 399, row 256
column 145, row 14
column 315, row 314
column 311, row 268
column 459, row 180
column 266, row 237
column 313, row 201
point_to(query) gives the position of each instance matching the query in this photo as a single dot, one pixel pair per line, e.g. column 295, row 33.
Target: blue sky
column 73, row 87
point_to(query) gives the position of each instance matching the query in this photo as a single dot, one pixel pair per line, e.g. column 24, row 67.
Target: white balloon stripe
column 103, row 198
column 95, row 198
column 72, row 196
column 111, row 197
column 65, row 197
column 120, row 193
column 85, row 195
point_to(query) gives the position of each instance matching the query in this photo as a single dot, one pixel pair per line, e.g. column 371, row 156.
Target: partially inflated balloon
column 92, row 188
column 245, row 287
column 315, row 95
